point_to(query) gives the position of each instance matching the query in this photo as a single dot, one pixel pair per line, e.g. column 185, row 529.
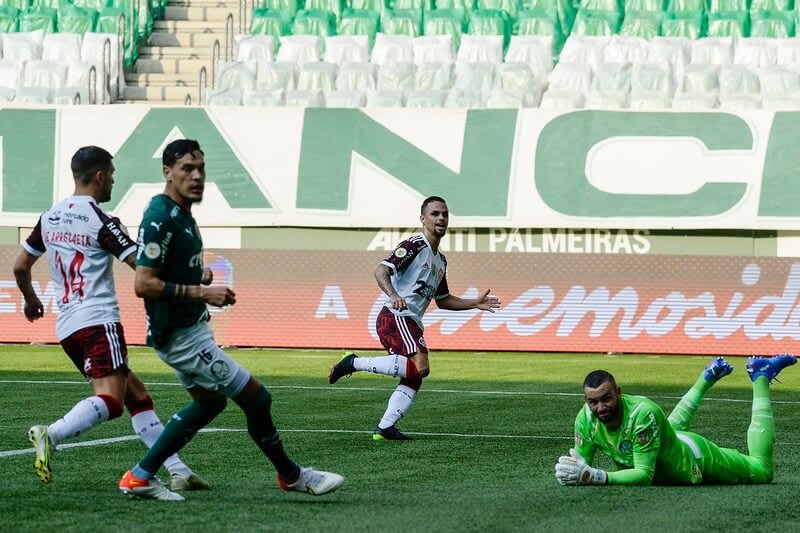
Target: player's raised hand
column 34, row 310
column 218, row 296
column 208, row 276
column 572, row 469
column 488, row 302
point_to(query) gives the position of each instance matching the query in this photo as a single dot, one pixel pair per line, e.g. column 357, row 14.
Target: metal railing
column 92, row 92
column 228, row 36
column 121, row 37
column 107, row 69
column 215, row 56
column 243, row 12
column 202, row 85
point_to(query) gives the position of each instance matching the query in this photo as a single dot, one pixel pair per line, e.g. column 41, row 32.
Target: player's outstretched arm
column 148, row 285
column 485, row 302
column 22, row 273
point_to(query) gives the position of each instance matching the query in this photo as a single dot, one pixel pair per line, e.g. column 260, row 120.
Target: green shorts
column 199, row 362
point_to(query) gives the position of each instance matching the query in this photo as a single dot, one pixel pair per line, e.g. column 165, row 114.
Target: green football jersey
column 644, row 447
column 170, row 242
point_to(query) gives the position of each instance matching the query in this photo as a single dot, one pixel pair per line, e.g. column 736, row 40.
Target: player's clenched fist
column 219, row 296
column 572, row 470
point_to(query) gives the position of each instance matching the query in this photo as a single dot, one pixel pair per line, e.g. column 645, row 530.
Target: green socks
column 681, row 416
column 263, row 432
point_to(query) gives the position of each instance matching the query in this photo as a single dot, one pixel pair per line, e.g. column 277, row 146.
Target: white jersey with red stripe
column 80, row 240
column 418, row 275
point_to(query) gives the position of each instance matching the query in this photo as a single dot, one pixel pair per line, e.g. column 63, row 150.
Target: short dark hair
column 177, row 149
column 88, row 161
column 428, row 200
column 595, row 378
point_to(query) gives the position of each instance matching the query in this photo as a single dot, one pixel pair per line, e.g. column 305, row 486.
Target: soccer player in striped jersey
column 647, row 447
column 412, row 276
column 80, row 241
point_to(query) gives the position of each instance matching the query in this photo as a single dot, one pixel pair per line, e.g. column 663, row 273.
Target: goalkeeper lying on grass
column 649, row 448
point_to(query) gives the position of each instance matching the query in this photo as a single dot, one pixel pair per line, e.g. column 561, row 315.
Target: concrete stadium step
column 200, row 13
column 172, row 66
column 175, row 52
column 188, row 39
column 169, row 103
column 151, row 93
column 156, row 79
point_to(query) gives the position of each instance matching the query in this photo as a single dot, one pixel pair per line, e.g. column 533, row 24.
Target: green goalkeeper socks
column 761, row 433
column 681, row 416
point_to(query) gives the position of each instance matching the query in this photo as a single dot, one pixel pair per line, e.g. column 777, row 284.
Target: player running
column 649, row 448
column 412, row 275
column 175, row 286
column 80, row 240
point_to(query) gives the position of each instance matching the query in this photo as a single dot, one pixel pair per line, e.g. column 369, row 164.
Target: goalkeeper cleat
column 390, row 433
column 151, row 489
column 768, row 367
column 314, row 482
column 179, row 482
column 717, row 369
column 343, row 368
column 44, row 450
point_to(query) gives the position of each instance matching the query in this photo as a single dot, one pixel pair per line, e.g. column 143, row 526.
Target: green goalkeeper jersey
column 170, row 242
column 645, row 449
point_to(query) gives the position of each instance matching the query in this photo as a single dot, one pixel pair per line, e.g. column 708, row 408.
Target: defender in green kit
column 176, row 288
column 647, row 447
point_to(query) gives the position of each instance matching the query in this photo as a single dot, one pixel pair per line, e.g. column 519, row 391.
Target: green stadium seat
column 77, row 20
column 9, row 19
column 612, row 6
column 370, row 5
column 20, row 5
column 771, row 5
column 682, row 6
column 444, row 22
column 729, row 24
column 563, row 9
column 465, row 7
column 684, row 24
column 359, row 22
column 292, row 6
column 596, row 23
column 402, row 22
column 334, row 6
column 536, row 23
column 649, row 6
column 772, row 24
column 644, row 24
column 42, row 18
column 97, row 5
column 273, row 22
column 509, row 6
column 725, row 6
column 318, row 22
column 55, row 4
column 422, row 5
column 490, row 22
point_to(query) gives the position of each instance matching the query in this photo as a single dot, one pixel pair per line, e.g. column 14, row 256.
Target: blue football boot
column 768, row 367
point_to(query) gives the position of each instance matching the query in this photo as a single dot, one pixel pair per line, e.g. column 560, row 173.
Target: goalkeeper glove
column 572, row 470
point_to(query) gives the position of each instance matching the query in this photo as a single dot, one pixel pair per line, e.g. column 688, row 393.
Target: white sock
column 390, row 365
column 85, row 415
column 148, row 427
column 399, row 404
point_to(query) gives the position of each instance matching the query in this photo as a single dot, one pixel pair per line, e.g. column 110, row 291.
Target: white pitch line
column 114, row 440
column 382, row 389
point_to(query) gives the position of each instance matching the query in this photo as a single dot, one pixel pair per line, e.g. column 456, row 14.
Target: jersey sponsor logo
column 152, row 250
column 400, row 253
column 578, row 440
column 189, row 231
column 421, row 342
column 174, row 212
column 76, row 216
column 425, row 266
column 157, row 225
column 625, row 447
column 55, row 218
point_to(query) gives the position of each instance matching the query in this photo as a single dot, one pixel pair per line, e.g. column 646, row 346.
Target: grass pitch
column 488, row 429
